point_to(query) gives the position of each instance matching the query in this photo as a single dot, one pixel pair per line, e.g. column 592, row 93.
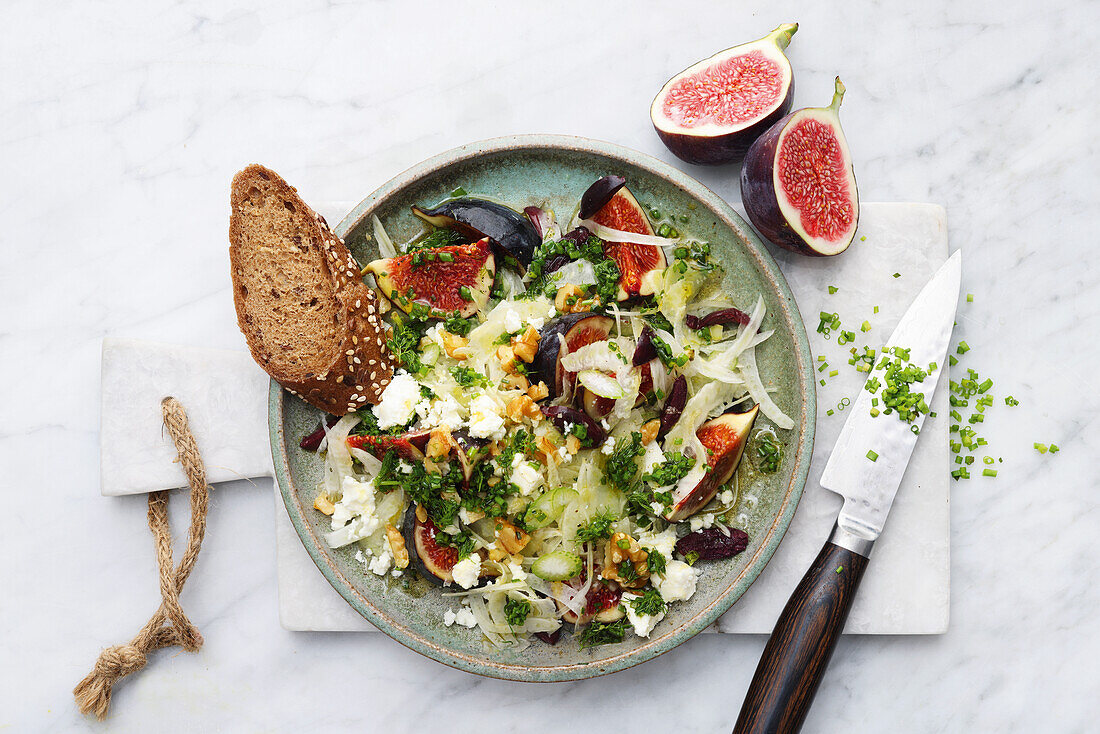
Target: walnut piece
column 397, row 547
column 622, row 550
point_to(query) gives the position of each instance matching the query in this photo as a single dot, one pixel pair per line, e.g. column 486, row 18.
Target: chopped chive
column 824, row 366
column 465, row 293
column 987, row 459
column 874, row 412
column 897, row 275
column 833, row 289
column 970, row 298
column 872, row 455
column 951, row 360
column 865, row 327
column 822, row 382
column 876, row 309
column 989, row 472
column 1011, row 401
column 839, row 569
column 1054, row 448
column 963, row 348
column 821, row 358
column 829, row 411
column 1040, row 447
column 446, row 257
column 833, row 373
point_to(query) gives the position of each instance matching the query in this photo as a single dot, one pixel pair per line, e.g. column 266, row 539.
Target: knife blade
column 798, row 651
column 869, row 487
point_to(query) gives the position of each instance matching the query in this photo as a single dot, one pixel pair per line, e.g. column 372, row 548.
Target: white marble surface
column 120, row 127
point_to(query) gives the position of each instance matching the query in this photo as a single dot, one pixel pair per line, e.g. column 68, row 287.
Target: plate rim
column 649, row 649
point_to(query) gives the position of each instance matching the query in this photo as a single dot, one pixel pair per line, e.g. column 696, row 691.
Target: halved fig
column 724, row 438
column 565, row 334
column 798, row 185
column 637, row 262
column 508, row 230
column 600, row 406
column 409, row 446
column 711, row 112
column 446, row 279
column 435, row 561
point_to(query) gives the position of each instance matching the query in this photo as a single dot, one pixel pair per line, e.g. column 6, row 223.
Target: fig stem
column 838, row 95
column 782, row 35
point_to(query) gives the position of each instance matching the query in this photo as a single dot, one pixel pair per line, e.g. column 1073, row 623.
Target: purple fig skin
column 674, row 406
column 562, row 415
column 598, row 194
column 722, row 149
column 645, row 350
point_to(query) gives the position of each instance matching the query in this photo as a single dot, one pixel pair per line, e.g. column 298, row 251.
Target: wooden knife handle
column 801, row 644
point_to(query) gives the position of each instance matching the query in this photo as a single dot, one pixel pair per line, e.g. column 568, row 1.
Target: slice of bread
column 309, row 319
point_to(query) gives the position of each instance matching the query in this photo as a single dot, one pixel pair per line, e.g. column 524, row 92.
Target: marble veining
column 120, row 127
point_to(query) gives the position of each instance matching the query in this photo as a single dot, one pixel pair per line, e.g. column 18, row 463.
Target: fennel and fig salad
column 560, row 445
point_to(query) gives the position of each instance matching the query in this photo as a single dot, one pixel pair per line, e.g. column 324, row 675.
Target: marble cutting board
column 906, row 589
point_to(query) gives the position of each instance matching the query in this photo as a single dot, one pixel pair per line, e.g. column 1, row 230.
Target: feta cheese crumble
column 526, row 477
column 463, row 617
column 399, row 401
column 467, row 571
column 643, row 623
column 486, row 420
column 677, row 583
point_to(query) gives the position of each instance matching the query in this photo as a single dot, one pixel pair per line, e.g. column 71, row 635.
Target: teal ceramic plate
column 554, row 171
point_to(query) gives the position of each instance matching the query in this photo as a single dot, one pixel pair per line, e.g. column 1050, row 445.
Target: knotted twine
column 169, row 625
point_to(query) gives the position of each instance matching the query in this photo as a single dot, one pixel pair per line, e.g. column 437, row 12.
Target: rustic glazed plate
column 553, row 171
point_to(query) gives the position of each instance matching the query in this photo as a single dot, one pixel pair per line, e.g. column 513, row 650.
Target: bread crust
column 361, row 365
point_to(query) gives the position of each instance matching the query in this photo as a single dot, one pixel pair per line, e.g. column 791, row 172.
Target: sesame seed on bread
column 308, row 318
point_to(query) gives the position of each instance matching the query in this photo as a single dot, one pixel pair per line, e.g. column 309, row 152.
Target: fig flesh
column 724, row 438
column 562, row 335
column 598, row 406
column 512, row 233
column 409, row 446
column 601, row 603
column 446, row 279
column 637, row 262
column 798, row 185
column 435, row 561
column 711, row 112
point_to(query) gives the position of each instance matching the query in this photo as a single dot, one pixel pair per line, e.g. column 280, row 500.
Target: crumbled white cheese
column 657, row 507
column 465, row 617
column 608, row 446
column 512, row 321
column 404, row 467
column 467, row 571
column 698, row 522
column 726, row 498
column 353, row 516
column 564, row 454
column 518, row 574
column 399, row 401
column 677, row 583
column 381, row 564
column 537, row 323
column 552, row 312
column 486, row 420
column 605, row 424
column 643, row 623
column 663, row 542
column 526, row 477
column 444, row 411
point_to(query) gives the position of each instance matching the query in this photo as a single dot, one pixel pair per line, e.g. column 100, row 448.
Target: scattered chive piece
column 1011, row 401
column 446, row 257
column 872, row 455
column 876, row 309
column 839, row 569
column 897, row 275
column 987, row 459
column 833, row 289
column 989, row 472
column 951, row 360
column 970, row 298
column 1041, row 447
column 822, row 382
column 874, row 412
column 833, row 373
column 824, row 366
column 1054, row 448
column 829, row 411
column 863, row 238
column 821, row 358
column 963, row 348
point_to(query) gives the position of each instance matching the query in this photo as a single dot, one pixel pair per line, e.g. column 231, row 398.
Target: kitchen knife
column 803, row 640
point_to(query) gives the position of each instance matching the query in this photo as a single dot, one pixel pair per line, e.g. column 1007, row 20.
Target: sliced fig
column 798, row 185
column 599, row 193
column 511, row 232
column 637, row 262
column 601, row 603
column 724, row 438
column 446, row 279
column 713, row 543
column 711, row 112
column 565, row 417
column 409, row 446
column 565, row 334
column 434, row 560
column 312, row 442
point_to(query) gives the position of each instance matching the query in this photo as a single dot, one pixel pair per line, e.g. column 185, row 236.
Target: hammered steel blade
column 868, row 487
